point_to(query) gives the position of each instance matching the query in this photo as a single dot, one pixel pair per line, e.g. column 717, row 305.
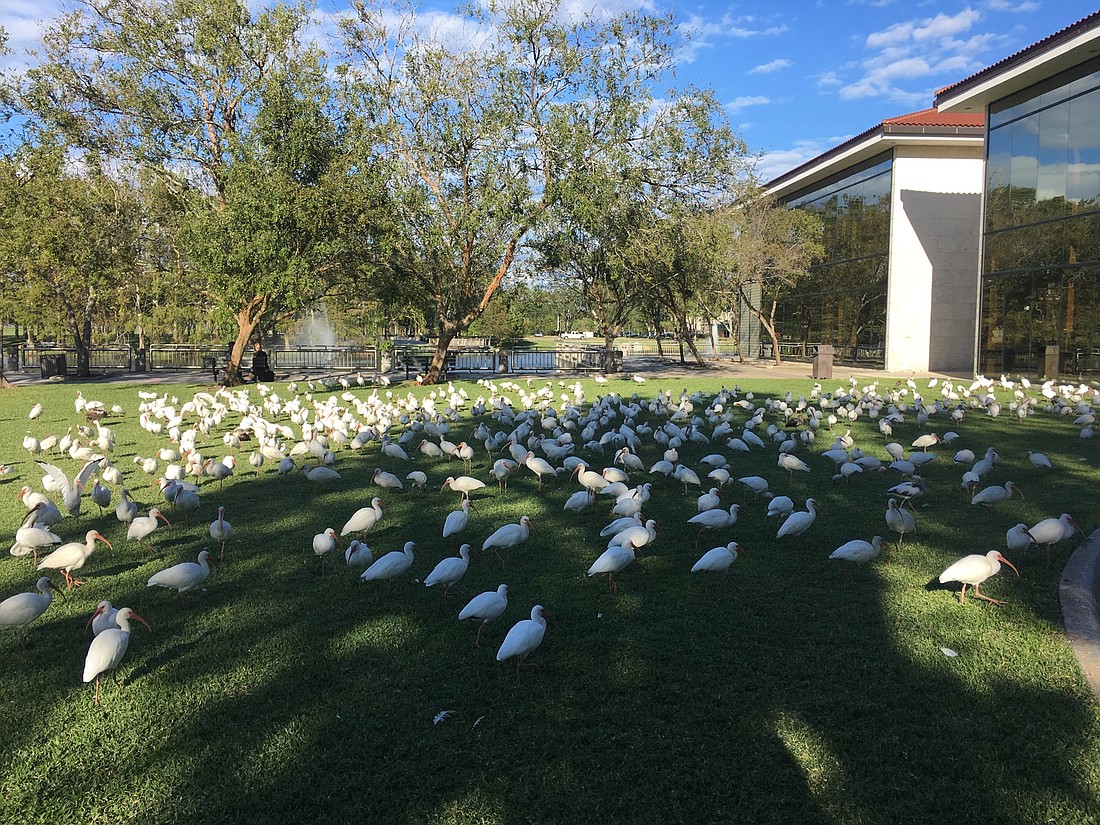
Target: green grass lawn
column 793, row 689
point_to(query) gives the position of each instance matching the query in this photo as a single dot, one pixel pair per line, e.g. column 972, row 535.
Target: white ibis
column 630, row 503
column 391, row 565
column 220, row 530
column 580, row 500
column 103, row 618
column 449, row 570
column 780, row 507
column 417, row 479
column 756, row 485
column 386, row 480
column 1018, row 538
column 539, row 466
column 71, row 491
column 615, row 558
column 799, row 522
column 972, row 571
column 899, row 521
column 991, row 496
column 48, row 514
column 507, row 536
column 717, row 559
column 686, row 476
column 1038, row 460
column 358, row 556
column 457, row 520
column 858, row 551
column 32, row 535
column 714, row 519
column 636, row 537
column 20, row 610
column 101, row 496
column 523, row 638
column 485, row 606
column 614, row 474
column 71, row 556
column 622, row 523
column 925, row 441
column 126, row 510
column 107, row 649
column 323, row 544
column 184, row 576
column 364, row 519
column 590, row 479
column 464, row 485
column 320, row 474
column 792, row 464
column 501, row 469
column 143, row 526
column 709, row 500
column 1050, row 531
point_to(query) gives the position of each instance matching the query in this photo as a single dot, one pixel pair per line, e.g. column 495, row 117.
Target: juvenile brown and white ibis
column 972, row 571
column 486, row 607
column 71, row 556
column 107, row 649
column 523, row 638
column 20, row 610
column 449, row 570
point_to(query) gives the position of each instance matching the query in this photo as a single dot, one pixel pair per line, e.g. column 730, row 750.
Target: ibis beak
column 100, row 537
column 1006, row 561
column 134, row 615
column 59, row 590
column 549, row 619
column 163, row 518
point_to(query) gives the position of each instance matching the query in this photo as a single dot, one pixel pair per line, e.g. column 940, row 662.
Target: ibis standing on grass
column 182, row 577
column 107, row 649
column 71, row 556
column 972, row 571
column 20, row 610
column 485, row 606
column 523, row 638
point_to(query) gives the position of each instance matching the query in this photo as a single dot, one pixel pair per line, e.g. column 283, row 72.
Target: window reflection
column 1041, row 262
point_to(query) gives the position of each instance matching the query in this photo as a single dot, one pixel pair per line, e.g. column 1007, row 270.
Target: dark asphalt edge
column 1077, row 592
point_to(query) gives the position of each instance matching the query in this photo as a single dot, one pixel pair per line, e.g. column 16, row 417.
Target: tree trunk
column 439, row 357
column 768, row 324
column 608, row 352
column 689, row 339
column 248, row 319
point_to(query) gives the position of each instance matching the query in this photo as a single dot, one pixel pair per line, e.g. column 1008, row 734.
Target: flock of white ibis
column 545, row 433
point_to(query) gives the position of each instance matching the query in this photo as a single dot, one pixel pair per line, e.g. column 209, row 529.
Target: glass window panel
column 1053, row 143
column 1024, row 171
column 1083, row 170
column 1083, row 239
column 998, row 212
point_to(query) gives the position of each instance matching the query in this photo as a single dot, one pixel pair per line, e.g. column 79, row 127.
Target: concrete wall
column 935, row 229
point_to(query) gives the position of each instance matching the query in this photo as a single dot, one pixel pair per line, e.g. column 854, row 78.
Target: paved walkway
column 1079, row 590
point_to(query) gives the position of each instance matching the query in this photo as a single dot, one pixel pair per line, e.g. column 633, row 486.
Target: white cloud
column 744, row 101
column 1005, row 5
column 775, row 162
column 771, row 66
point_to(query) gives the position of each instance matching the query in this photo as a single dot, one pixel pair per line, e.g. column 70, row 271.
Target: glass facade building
column 1041, row 244
column 843, row 300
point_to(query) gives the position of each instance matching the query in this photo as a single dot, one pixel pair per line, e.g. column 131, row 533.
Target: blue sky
column 799, row 77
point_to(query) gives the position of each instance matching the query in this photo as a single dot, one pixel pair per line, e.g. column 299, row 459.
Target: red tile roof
column 926, row 121
column 1047, row 43
column 932, row 117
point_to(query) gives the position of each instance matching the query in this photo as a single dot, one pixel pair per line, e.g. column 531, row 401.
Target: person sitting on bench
column 261, row 369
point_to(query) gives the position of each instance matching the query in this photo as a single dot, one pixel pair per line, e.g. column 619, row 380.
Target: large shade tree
column 481, row 138
column 230, row 106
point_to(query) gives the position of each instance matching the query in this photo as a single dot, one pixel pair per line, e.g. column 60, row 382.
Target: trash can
column 140, row 361
column 823, row 361
column 53, row 365
column 1052, row 359
column 11, row 359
